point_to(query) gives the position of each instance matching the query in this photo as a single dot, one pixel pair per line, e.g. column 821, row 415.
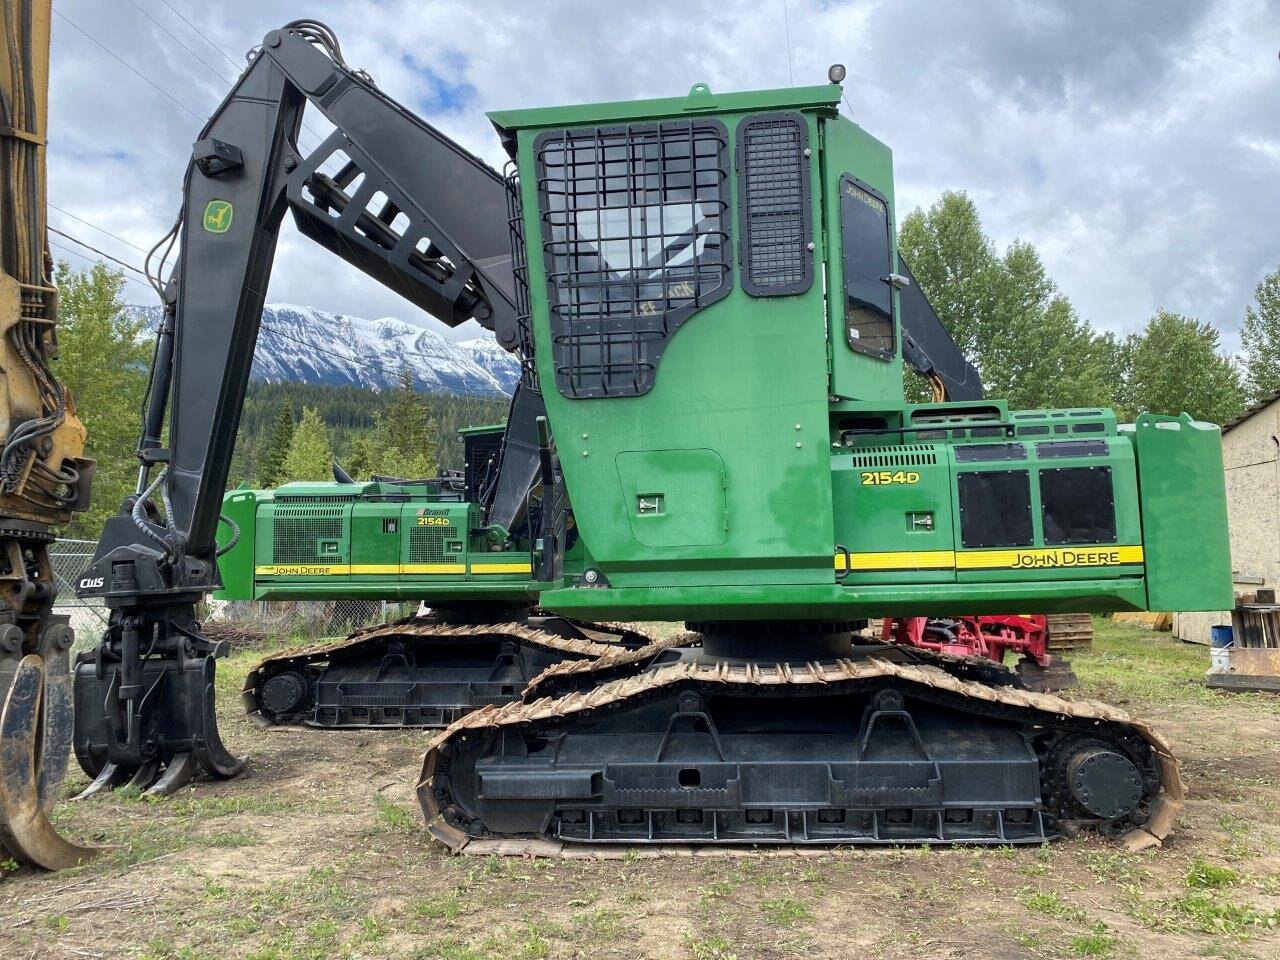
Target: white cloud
column 1131, row 143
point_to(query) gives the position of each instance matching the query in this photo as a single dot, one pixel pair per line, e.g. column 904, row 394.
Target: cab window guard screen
column 775, row 222
column 866, row 242
column 635, row 235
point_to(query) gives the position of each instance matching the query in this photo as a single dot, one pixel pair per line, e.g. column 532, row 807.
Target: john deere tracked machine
column 483, row 640
column 713, row 319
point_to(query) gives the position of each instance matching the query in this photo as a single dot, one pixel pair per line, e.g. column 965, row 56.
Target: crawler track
column 419, row 672
column 513, row 779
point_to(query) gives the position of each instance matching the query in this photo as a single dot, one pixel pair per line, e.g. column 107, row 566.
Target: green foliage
column 1175, row 365
column 1207, row 876
column 1261, row 339
column 403, row 443
column 271, row 467
column 1005, row 313
column 1099, row 942
column 351, row 415
column 310, row 456
column 105, row 368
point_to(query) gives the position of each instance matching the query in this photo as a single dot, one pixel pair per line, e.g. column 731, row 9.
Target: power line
column 203, row 36
column 239, row 67
column 67, row 213
column 89, row 259
column 105, row 256
column 354, row 361
column 199, row 59
column 159, row 89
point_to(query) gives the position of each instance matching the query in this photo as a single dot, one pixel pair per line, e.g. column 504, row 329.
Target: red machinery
column 989, row 637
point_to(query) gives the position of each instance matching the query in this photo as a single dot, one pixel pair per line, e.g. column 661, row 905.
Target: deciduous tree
column 1261, row 339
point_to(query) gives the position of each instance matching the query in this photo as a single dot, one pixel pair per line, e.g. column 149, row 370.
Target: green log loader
column 713, row 320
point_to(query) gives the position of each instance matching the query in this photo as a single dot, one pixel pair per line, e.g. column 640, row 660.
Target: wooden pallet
column 1070, row 631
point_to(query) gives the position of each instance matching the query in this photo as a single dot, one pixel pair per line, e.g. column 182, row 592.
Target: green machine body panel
column 713, row 302
column 378, row 541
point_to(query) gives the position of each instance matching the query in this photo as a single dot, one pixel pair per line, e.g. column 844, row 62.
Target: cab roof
column 699, row 100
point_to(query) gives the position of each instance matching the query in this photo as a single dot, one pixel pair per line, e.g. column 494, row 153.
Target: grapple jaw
column 144, row 704
column 35, row 743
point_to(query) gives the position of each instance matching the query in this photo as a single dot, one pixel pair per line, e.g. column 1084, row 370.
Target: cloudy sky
column 1137, row 145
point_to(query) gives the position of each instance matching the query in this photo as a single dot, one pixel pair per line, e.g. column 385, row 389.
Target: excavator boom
column 401, row 202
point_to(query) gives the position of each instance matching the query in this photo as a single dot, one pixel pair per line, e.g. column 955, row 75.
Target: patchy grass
column 319, row 852
column 1099, row 942
column 784, row 911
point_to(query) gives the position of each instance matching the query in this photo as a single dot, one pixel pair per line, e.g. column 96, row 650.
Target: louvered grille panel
column 774, row 205
column 907, row 455
column 426, row 544
column 296, row 534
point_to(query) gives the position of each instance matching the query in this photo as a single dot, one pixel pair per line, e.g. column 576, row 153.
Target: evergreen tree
column 103, row 364
column 271, row 464
column 360, row 458
column 310, row 456
column 1261, row 339
column 404, row 440
column 1176, row 366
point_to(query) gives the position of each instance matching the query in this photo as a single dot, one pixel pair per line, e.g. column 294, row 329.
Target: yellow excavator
column 44, row 477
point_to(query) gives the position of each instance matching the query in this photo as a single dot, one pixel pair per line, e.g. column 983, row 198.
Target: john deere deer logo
column 217, row 216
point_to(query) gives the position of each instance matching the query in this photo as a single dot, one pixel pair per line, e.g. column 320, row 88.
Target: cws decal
column 1030, row 558
column 217, row 216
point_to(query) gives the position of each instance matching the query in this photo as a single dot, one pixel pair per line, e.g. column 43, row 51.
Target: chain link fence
column 302, row 620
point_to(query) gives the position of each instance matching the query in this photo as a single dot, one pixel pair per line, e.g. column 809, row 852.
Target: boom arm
column 406, row 205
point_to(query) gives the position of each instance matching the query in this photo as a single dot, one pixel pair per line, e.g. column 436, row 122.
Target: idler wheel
column 285, row 692
column 1104, row 782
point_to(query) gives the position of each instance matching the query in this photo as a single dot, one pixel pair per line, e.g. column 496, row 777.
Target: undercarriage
column 423, row 671
column 703, row 748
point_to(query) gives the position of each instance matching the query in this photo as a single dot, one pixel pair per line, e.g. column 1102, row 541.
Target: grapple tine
column 144, row 775
column 25, row 830
column 111, row 776
column 182, row 769
column 58, row 720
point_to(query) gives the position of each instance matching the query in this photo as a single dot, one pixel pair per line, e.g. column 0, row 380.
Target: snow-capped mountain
column 306, row 345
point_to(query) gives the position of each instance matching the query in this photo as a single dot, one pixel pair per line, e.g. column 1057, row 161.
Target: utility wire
column 105, row 256
column 68, row 213
column 203, row 36
column 159, row 89
column 239, row 67
column 89, row 259
column 366, row 363
column 786, row 22
column 199, row 59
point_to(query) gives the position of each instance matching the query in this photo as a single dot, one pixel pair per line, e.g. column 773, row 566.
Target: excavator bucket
column 35, row 738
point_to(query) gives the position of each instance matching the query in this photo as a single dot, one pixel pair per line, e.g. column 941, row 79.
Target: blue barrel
column 1220, row 636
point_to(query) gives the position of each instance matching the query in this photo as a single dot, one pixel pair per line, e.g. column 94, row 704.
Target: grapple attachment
column 35, row 743
column 144, row 714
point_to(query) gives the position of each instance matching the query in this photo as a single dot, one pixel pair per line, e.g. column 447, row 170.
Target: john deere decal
column 217, row 216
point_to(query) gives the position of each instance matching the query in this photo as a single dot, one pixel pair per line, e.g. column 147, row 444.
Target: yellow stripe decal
column 373, row 569
column 501, row 568
column 904, row 560
column 1017, row 559
column 429, row 568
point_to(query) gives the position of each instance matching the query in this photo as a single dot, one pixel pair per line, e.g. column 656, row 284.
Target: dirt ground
column 318, row 852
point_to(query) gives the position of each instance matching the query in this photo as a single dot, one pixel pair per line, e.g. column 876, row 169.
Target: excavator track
column 581, row 676
column 703, row 753
column 420, row 672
